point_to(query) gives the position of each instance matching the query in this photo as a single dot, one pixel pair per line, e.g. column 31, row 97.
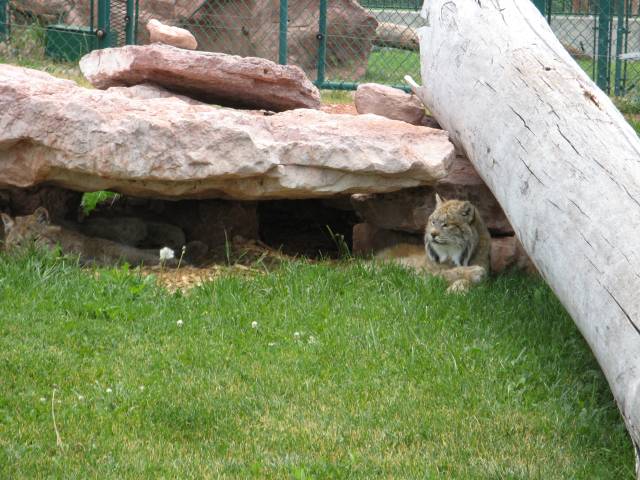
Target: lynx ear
column 439, row 200
column 8, row 222
column 42, row 216
column 468, row 211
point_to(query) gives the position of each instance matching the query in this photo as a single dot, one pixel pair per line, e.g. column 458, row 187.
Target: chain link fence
column 338, row 43
column 601, row 35
column 36, row 31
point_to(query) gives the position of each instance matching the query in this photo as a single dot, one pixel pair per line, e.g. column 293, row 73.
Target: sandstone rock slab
column 175, row 36
column 47, row 9
column 55, row 132
column 389, row 102
column 508, row 253
column 227, row 80
column 407, row 210
column 395, row 35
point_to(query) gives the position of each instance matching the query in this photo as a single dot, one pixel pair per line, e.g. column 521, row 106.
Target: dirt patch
column 340, row 108
column 244, row 258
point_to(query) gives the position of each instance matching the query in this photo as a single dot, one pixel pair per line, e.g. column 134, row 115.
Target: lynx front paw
column 459, row 287
column 475, row 273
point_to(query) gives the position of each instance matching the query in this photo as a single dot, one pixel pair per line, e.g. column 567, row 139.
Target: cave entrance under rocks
column 218, row 231
column 309, row 228
column 298, row 228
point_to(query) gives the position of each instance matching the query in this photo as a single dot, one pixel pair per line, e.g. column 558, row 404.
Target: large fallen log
column 561, row 160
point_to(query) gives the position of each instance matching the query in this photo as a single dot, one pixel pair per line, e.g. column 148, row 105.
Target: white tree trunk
column 559, row 157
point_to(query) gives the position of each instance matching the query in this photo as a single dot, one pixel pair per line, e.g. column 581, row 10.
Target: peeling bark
column 559, row 157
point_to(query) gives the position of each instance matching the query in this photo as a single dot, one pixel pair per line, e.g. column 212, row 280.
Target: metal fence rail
column 338, row 43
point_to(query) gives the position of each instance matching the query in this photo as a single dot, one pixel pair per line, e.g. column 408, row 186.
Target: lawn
column 351, row 371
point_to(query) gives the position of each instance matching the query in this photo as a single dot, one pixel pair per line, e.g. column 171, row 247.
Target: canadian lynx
column 37, row 228
column 456, row 247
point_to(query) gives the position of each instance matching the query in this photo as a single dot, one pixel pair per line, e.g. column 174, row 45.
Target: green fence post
column 104, row 24
column 604, row 45
column 135, row 23
column 3, row 19
column 130, row 23
column 541, row 5
column 284, row 27
column 620, row 34
column 322, row 46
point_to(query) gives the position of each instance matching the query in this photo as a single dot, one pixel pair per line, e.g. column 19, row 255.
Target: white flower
column 166, row 254
column 109, row 390
column 254, row 324
column 272, row 344
column 80, row 397
column 42, row 399
column 296, row 335
column 179, row 323
column 312, row 339
column 141, row 387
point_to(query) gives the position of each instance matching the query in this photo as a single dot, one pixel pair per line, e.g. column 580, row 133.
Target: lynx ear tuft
column 468, row 211
column 8, row 222
column 439, row 200
column 42, row 216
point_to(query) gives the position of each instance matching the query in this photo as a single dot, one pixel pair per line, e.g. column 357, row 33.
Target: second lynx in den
column 457, row 245
column 37, row 228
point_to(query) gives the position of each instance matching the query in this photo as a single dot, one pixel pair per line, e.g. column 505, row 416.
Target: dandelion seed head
column 296, row 335
column 109, row 390
column 179, row 323
column 166, row 254
column 254, row 324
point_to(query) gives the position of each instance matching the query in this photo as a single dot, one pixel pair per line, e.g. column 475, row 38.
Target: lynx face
column 24, row 230
column 450, row 234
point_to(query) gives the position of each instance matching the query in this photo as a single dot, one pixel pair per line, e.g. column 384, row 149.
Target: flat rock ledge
column 54, row 132
column 217, row 78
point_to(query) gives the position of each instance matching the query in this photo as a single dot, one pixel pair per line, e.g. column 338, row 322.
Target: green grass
column 385, row 65
column 390, row 65
column 92, row 199
column 337, row 96
column 388, row 378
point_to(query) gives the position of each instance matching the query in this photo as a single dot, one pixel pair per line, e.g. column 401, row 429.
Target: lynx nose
column 434, row 233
